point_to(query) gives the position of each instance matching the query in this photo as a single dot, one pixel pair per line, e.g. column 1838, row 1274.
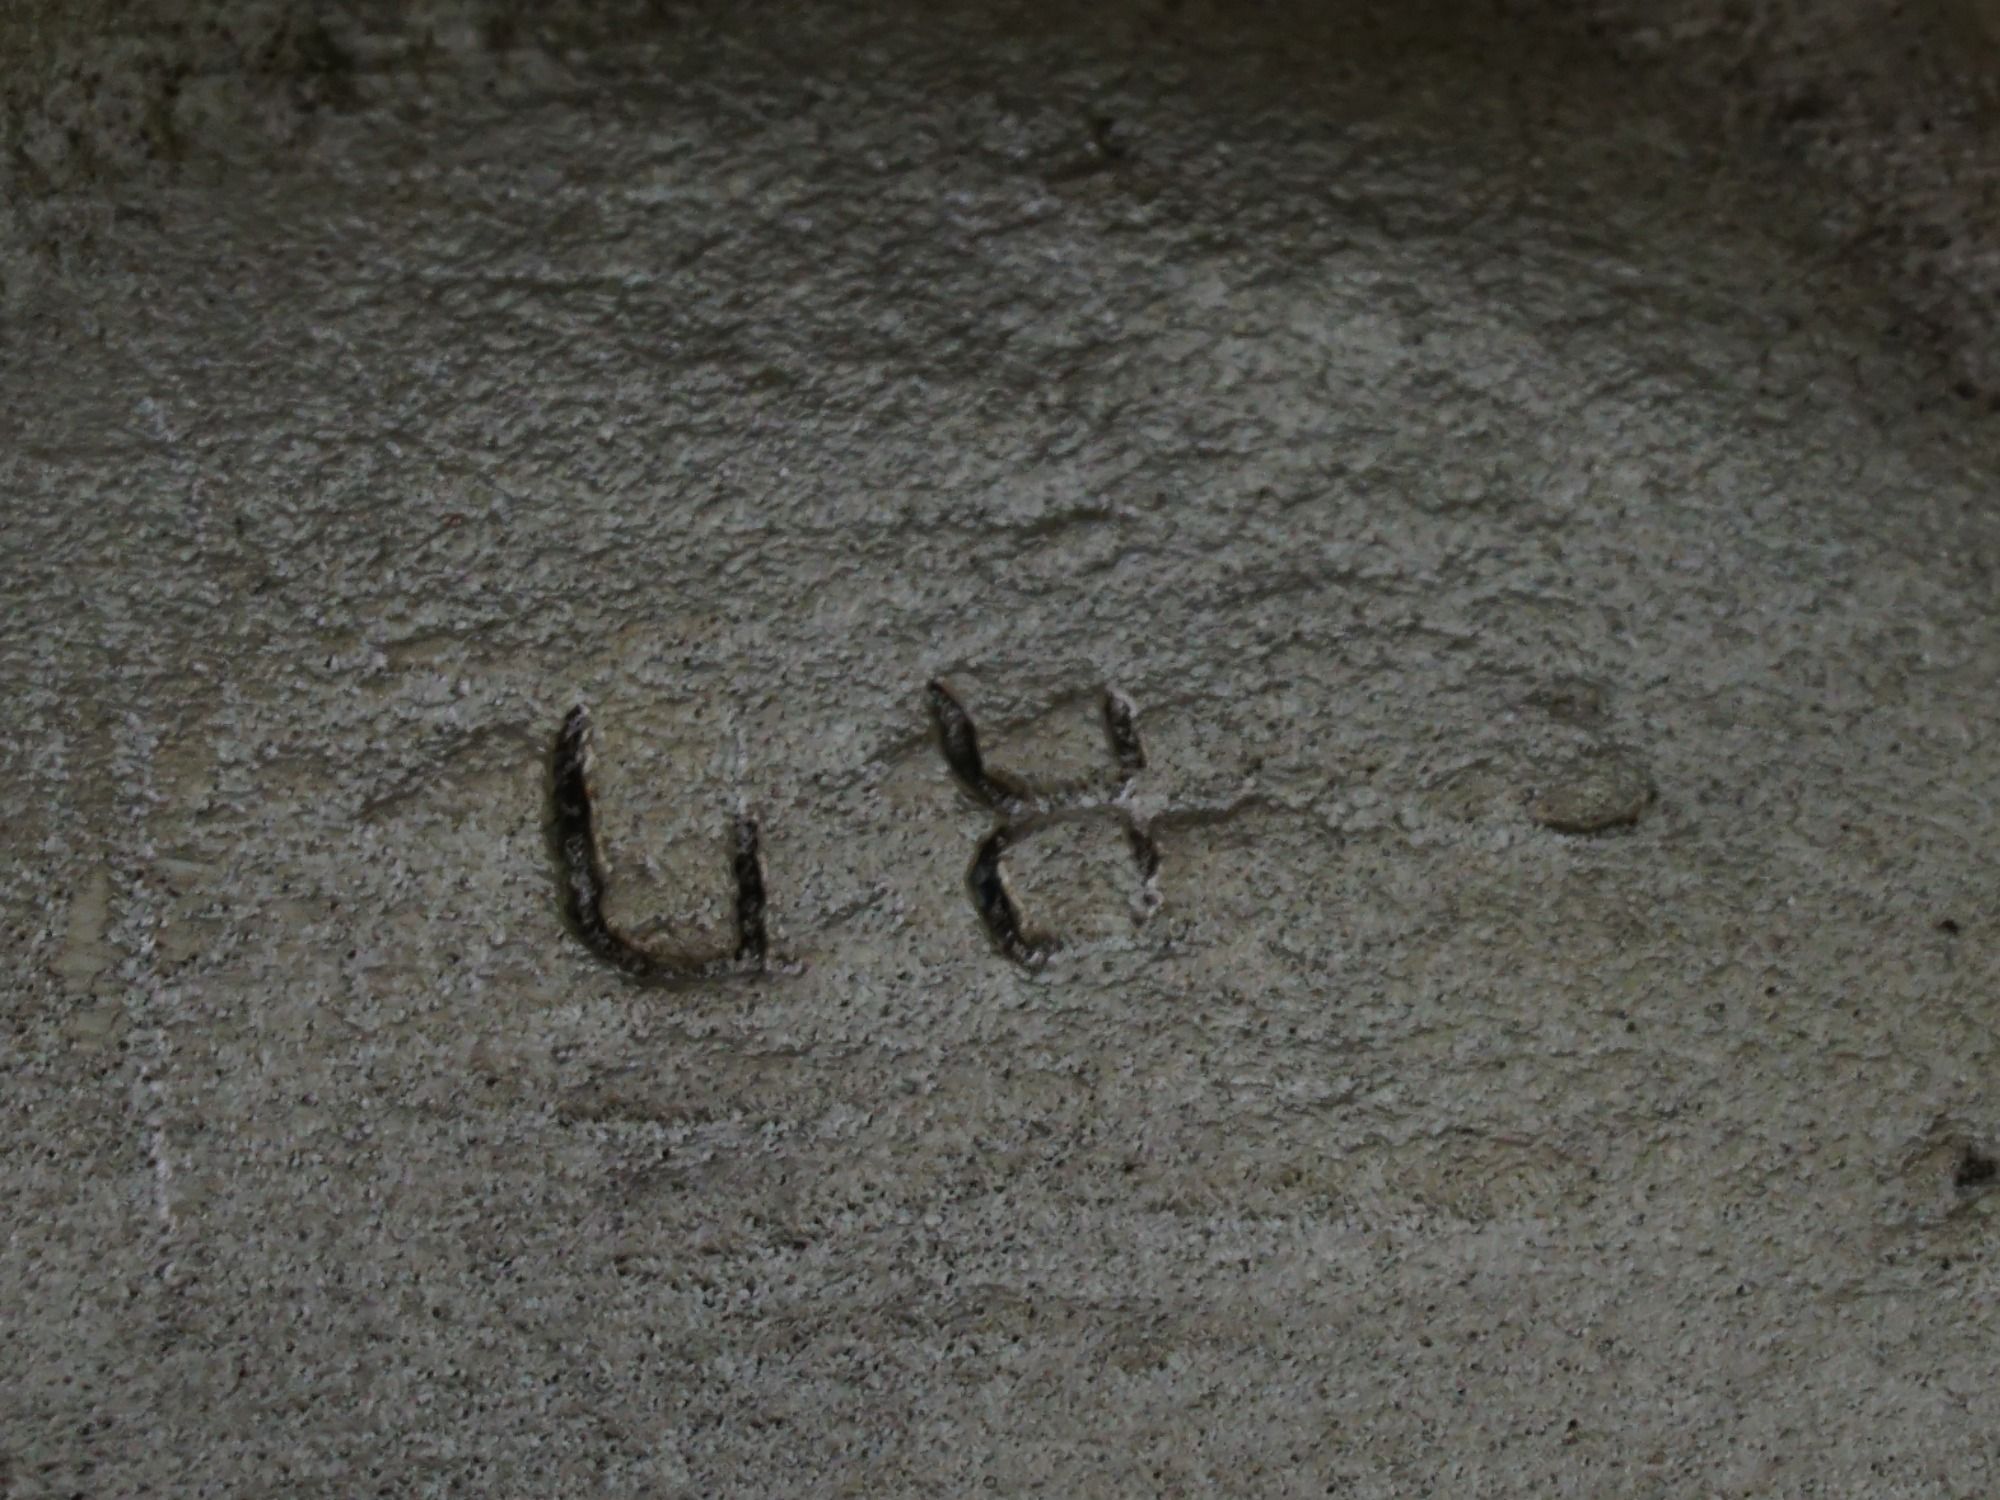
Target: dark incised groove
column 751, row 940
column 1008, row 794
column 1975, row 1169
column 996, row 906
column 1021, row 812
column 960, row 743
column 1145, row 852
column 581, row 874
column 1122, row 730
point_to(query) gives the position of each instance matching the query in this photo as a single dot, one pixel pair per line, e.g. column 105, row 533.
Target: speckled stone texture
column 1557, row 599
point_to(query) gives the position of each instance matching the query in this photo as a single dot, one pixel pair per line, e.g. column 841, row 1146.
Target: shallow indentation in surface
column 1594, row 793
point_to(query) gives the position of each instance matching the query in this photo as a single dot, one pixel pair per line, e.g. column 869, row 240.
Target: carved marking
column 581, row 872
column 1020, row 813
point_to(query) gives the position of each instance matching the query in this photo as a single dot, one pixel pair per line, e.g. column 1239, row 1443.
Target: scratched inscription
column 1021, row 807
column 580, row 869
column 1020, row 810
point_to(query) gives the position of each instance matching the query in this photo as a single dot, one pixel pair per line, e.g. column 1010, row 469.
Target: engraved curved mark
column 1020, row 813
column 1121, row 728
column 960, row 743
column 580, row 868
column 997, row 908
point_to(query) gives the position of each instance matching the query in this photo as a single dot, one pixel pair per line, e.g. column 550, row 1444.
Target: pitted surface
column 1404, row 438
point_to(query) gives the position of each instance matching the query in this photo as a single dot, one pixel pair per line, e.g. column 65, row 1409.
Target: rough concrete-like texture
column 1436, row 438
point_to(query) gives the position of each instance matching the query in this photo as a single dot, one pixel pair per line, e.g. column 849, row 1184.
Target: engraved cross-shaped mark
column 1020, row 812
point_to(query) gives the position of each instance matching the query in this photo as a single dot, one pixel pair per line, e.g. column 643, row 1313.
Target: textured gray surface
column 1424, row 436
